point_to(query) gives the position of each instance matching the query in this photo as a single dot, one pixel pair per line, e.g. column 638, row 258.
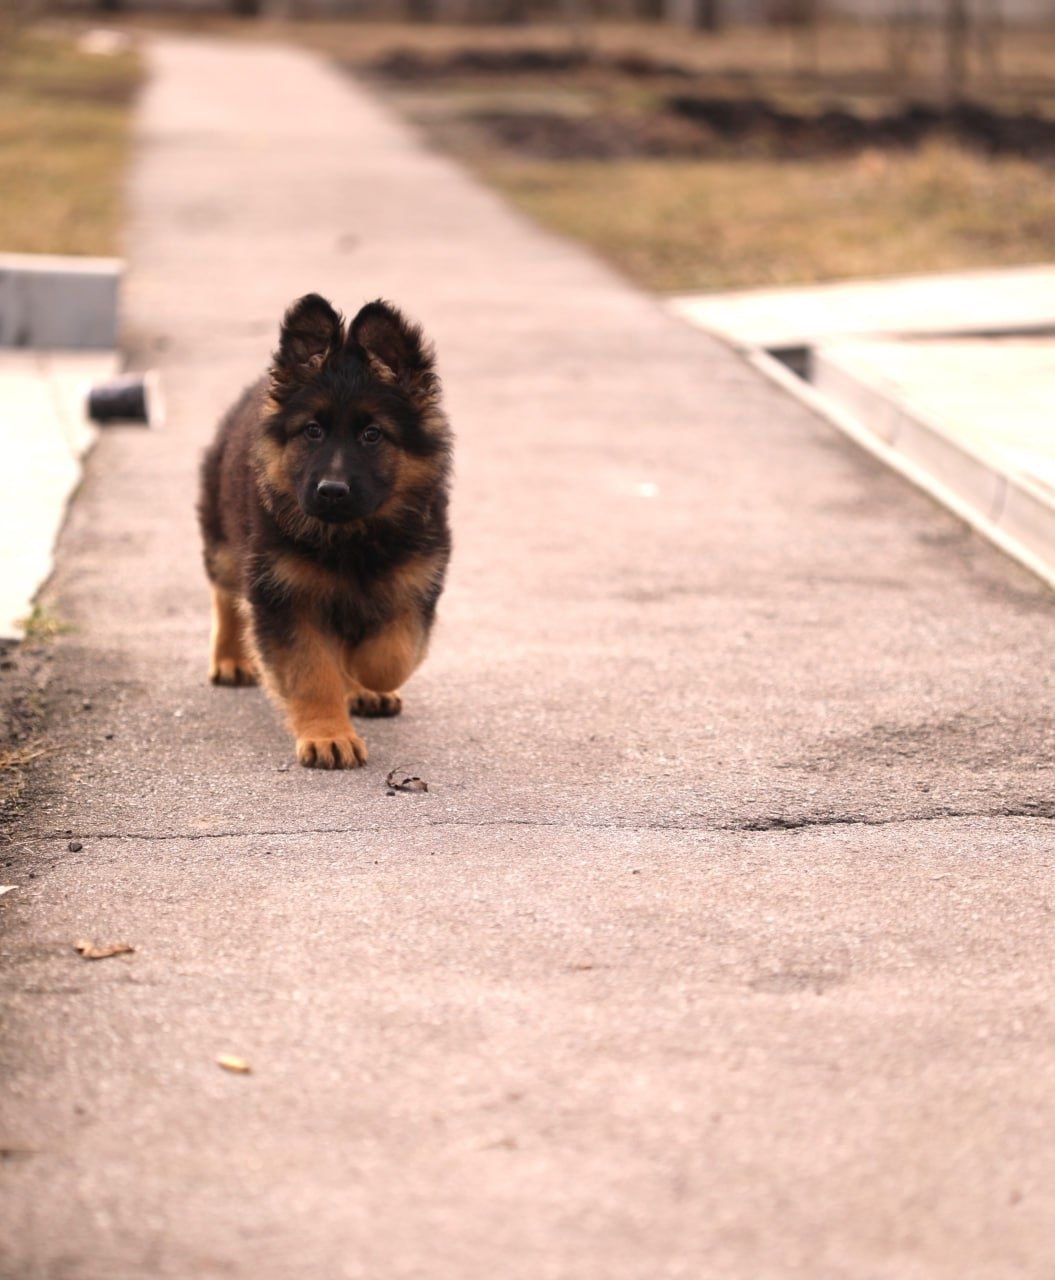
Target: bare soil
column 628, row 124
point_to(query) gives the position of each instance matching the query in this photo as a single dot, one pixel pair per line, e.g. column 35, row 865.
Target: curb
column 44, row 437
column 1013, row 513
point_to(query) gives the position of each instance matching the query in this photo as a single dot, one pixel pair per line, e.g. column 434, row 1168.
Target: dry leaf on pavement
column 230, row 1063
column 396, row 783
column 102, row 950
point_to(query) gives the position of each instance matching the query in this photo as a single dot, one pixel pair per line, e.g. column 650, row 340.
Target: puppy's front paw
column 368, row 703
column 229, row 671
column 338, row 750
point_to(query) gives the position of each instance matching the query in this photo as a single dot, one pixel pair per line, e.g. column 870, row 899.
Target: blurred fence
column 698, row 13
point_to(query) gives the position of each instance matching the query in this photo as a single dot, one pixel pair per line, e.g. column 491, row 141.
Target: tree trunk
column 956, row 31
column 708, row 15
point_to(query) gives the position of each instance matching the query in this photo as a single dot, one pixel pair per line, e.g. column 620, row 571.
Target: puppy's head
column 355, row 429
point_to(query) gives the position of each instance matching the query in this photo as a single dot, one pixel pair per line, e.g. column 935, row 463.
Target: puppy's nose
column 332, row 490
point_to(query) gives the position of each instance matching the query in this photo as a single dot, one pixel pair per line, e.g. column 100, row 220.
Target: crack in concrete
column 1039, row 811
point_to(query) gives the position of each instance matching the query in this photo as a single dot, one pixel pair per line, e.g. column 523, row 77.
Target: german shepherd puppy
column 324, row 516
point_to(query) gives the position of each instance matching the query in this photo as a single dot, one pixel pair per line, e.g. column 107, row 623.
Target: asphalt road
column 722, row 943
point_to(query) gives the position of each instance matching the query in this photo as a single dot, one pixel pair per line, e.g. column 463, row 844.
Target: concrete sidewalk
column 721, row 945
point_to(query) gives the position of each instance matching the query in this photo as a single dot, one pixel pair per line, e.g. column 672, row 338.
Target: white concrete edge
column 48, row 460
column 67, row 264
column 930, row 483
column 1017, row 299
column 157, row 416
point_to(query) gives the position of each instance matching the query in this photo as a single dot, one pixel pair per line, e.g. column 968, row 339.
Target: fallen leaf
column 501, row 1144
column 102, row 950
column 230, row 1063
column 405, row 784
column 6, row 888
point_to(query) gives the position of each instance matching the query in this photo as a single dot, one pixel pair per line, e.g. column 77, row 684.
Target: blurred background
column 719, row 944
column 696, row 144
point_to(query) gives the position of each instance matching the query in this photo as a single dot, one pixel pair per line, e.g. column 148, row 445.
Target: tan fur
column 309, row 581
column 379, row 369
column 304, row 578
column 413, row 475
column 231, row 660
column 367, row 703
column 271, row 469
column 387, row 660
column 309, row 679
column 414, row 579
column 223, row 569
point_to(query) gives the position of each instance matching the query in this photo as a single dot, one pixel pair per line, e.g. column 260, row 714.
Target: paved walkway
column 721, row 945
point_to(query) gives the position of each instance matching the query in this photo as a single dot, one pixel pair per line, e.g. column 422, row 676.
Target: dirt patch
column 652, row 154
column 411, row 66
column 552, row 135
column 768, row 129
column 694, row 127
column 24, row 675
column 634, row 110
column 969, row 742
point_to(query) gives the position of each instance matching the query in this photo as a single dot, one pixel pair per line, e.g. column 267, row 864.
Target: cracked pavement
column 722, row 941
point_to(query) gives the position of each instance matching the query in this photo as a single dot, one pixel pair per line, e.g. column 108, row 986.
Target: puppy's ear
column 311, row 332
column 396, row 350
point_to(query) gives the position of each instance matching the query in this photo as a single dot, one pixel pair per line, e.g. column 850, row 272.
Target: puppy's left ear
column 396, row 350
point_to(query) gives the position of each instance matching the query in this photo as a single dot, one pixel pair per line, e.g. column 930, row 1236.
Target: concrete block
column 834, row 376
column 853, row 375
column 58, row 303
column 1029, row 517
column 976, row 480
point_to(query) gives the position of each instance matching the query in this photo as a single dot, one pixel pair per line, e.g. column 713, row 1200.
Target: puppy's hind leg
column 365, row 702
column 231, row 659
column 381, row 664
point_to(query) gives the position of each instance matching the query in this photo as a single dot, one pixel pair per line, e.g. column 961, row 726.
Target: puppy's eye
column 371, row 435
column 313, row 430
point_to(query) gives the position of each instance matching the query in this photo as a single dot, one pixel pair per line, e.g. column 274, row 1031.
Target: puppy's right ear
column 311, row 331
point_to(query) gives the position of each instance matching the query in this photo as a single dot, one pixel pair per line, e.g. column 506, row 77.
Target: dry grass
column 64, row 138
column 721, row 224
column 19, row 757
column 732, row 222
column 14, row 761
column 846, row 56
column 43, row 624
column 742, row 221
